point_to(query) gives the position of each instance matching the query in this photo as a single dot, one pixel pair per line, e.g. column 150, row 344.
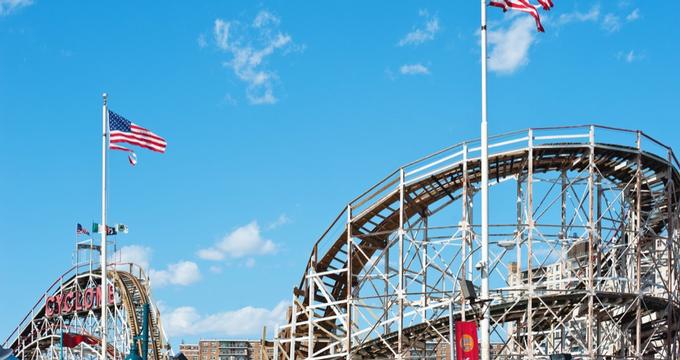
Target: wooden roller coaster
column 382, row 282
column 38, row 334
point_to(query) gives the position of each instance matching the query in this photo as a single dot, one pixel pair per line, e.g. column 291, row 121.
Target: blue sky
column 277, row 114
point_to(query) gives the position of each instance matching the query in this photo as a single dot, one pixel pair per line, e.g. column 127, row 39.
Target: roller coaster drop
column 72, row 304
column 583, row 254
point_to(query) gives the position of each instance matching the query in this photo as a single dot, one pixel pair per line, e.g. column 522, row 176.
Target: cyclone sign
column 76, row 301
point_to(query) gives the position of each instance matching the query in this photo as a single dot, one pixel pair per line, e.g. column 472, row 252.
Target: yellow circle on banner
column 466, row 343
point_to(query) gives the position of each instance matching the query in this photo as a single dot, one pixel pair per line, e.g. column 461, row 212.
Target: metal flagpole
column 484, row 326
column 102, row 229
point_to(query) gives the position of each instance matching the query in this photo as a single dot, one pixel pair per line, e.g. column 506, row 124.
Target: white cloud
column 250, row 263
column 216, row 269
column 244, row 322
column 624, row 3
column 244, row 241
column 283, row 219
column 592, row 15
column 221, row 31
column 201, row 41
column 510, row 46
column 9, row 6
column 210, row 254
column 611, row 23
column 181, row 273
column 230, row 100
column 390, row 74
column 139, row 255
column 546, row 255
column 629, row 56
column 265, row 18
column 414, row 69
column 420, row 35
column 249, row 47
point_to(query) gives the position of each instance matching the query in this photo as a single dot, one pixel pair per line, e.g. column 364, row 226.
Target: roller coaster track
column 38, row 332
column 514, row 311
column 375, row 216
column 134, row 295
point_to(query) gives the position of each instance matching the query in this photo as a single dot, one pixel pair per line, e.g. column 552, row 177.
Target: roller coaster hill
column 583, row 254
column 72, row 305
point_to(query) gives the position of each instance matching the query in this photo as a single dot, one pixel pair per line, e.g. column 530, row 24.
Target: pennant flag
column 524, row 6
column 467, row 347
column 122, row 130
column 80, row 230
column 72, row 340
column 132, row 157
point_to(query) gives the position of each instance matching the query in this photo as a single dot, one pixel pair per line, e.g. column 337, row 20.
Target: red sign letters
column 76, row 301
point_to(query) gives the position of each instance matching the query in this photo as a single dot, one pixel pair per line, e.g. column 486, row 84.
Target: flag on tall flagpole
column 80, row 230
column 547, row 4
column 97, row 228
column 122, row 130
column 525, row 6
column 466, row 332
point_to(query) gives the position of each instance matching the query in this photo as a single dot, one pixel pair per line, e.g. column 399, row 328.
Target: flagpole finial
column 105, row 95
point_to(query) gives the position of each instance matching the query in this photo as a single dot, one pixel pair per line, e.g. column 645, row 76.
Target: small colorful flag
column 96, row 228
column 122, row 130
column 132, row 157
column 80, row 230
column 524, row 6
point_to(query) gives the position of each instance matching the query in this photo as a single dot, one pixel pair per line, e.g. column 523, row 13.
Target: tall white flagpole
column 102, row 229
column 484, row 326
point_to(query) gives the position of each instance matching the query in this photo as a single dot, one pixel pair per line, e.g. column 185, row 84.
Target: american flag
column 524, row 6
column 125, row 131
column 122, row 130
column 80, row 230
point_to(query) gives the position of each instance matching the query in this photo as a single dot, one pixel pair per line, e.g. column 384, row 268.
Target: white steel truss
column 582, row 258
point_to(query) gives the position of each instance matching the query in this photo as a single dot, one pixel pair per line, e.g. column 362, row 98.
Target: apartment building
column 222, row 349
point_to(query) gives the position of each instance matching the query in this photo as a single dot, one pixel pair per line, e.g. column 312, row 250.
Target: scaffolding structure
column 583, row 247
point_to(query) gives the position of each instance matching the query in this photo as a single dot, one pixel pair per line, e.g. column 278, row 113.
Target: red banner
column 467, row 347
column 73, row 340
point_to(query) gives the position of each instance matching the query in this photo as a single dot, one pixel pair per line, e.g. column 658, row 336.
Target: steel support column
column 591, row 238
column 530, row 236
column 638, row 250
column 400, row 291
column 349, row 282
